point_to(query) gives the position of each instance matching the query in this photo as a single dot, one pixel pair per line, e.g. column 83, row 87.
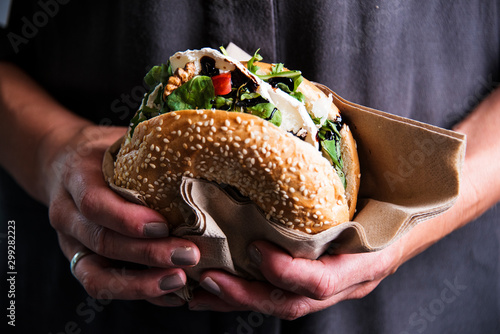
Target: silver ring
column 77, row 257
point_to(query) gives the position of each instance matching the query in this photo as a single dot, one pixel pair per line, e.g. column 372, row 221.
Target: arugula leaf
column 332, row 127
column 284, row 74
column 277, row 68
column 330, row 144
column 256, row 57
column 197, row 93
column 297, row 81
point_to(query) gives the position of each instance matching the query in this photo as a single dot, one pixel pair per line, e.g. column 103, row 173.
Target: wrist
column 53, row 148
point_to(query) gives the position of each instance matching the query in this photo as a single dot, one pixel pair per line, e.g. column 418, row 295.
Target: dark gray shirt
column 431, row 60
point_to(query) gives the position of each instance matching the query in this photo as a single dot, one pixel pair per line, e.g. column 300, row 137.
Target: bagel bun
column 291, row 183
column 283, row 168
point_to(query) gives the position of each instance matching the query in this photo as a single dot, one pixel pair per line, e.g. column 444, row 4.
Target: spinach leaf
column 266, row 111
column 223, row 103
column 158, row 74
column 197, row 93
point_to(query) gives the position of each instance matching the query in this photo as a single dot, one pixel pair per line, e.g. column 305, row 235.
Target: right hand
column 87, row 214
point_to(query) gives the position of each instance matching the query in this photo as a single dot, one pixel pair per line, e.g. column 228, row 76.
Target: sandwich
column 258, row 128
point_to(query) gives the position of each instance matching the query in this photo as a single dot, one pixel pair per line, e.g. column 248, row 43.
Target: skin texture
column 57, row 159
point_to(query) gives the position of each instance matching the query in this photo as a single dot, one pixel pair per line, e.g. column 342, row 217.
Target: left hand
column 296, row 286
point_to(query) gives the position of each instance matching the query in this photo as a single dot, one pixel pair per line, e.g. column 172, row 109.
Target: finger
column 317, row 279
column 163, row 252
column 168, row 300
column 104, row 280
column 226, row 293
column 100, row 204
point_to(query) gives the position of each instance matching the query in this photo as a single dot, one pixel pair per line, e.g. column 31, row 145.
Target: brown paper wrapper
column 410, row 172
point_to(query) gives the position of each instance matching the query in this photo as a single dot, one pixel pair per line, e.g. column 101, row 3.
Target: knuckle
column 100, row 241
column 324, row 288
column 385, row 266
column 149, row 255
column 56, row 213
column 88, row 203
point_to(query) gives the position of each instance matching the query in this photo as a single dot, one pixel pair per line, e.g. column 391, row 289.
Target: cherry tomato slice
column 222, row 83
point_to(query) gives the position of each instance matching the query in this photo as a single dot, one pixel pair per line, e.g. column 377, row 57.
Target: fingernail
column 173, row 300
column 209, row 284
column 171, row 282
column 155, row 230
column 184, row 256
column 255, row 254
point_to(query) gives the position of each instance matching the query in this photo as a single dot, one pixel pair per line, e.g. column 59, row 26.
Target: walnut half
column 180, row 77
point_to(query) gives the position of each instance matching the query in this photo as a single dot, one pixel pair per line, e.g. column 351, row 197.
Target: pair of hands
column 88, row 215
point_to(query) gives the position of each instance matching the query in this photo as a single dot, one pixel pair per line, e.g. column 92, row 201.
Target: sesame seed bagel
column 286, row 177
